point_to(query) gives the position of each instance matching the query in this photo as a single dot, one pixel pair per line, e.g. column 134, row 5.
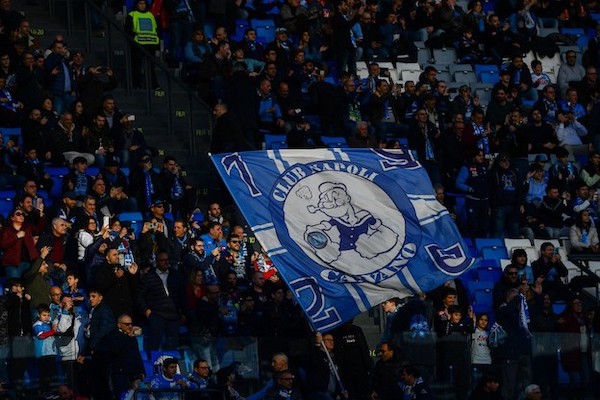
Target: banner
column 346, row 228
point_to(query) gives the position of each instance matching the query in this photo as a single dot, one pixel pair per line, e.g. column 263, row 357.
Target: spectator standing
column 342, row 41
column 45, row 346
column 161, row 298
column 70, row 340
column 141, row 25
column 124, row 356
column 101, row 322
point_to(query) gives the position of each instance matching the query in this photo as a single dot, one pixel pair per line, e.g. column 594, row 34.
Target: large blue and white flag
column 347, row 228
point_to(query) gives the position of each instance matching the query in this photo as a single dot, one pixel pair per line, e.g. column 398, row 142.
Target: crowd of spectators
column 84, row 285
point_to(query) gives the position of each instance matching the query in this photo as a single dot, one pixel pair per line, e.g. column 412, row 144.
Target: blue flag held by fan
column 346, row 228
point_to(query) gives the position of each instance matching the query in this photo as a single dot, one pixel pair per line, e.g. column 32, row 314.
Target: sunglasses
column 19, row 214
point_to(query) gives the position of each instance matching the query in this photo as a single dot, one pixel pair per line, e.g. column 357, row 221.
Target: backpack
column 497, row 336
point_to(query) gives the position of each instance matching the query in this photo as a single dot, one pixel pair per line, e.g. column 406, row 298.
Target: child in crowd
column 539, row 78
column 45, row 349
column 481, row 358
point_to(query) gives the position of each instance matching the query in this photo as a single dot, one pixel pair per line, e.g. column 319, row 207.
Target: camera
column 152, row 225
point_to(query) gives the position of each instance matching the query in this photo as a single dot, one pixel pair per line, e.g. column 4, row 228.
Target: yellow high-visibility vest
column 144, row 27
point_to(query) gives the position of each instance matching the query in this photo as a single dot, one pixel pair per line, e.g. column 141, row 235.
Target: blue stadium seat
column 240, row 27
column 573, row 31
column 275, row 142
column 473, row 286
column 256, row 23
column 7, row 194
column 135, row 219
column 480, row 243
column 483, row 300
column 266, row 33
column 479, row 68
column 57, row 171
column 126, row 171
column 489, row 77
column 6, row 206
column 57, row 187
column 489, row 272
column 494, row 253
column 559, row 306
column 209, row 29
column 334, row 141
column 93, row 171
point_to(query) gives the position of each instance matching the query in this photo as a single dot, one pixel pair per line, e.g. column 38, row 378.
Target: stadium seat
column 504, row 262
column 266, row 33
column 57, row 187
column 465, row 76
column 6, row 206
column 334, row 141
column 258, row 23
column 573, row 31
column 454, row 68
column 275, row 142
column 57, row 171
column 7, row 194
column 537, row 243
column 480, row 243
column 479, row 68
column 559, row 306
column 444, row 76
column 512, row 243
column 483, row 300
column 485, row 96
column 494, row 252
column 410, row 75
column 134, row 219
column 475, row 286
column 489, row 77
column 445, row 56
column 488, row 272
column 93, row 171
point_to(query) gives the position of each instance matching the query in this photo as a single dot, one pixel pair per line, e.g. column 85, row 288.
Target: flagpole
column 332, row 366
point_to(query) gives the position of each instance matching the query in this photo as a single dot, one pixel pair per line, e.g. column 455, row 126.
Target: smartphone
column 326, row 13
column 556, row 250
column 105, row 221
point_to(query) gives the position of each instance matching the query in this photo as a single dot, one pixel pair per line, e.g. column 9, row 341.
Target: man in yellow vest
column 141, row 25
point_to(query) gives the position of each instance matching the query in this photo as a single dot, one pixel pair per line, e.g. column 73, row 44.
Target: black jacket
column 152, row 295
column 118, row 292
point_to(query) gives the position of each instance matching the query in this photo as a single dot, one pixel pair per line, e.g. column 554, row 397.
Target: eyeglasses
column 19, row 214
column 126, row 323
column 236, row 241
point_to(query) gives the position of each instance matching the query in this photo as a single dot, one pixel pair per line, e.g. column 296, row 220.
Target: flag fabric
column 346, row 228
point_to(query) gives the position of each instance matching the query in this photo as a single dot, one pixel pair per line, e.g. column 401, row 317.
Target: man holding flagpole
column 322, row 378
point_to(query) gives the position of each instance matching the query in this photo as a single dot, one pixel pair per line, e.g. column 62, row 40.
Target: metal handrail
column 112, row 24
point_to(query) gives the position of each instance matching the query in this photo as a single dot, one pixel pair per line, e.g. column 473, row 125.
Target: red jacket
column 12, row 245
column 570, row 354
